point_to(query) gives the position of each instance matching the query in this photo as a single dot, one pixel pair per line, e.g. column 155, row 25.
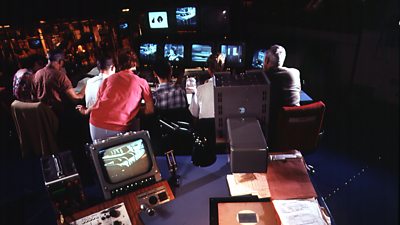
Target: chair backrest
column 37, row 126
column 299, row 127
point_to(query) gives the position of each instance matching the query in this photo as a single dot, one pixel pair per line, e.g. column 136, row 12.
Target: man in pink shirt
column 118, row 101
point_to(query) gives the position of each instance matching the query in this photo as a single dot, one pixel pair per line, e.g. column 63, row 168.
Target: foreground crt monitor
column 124, row 163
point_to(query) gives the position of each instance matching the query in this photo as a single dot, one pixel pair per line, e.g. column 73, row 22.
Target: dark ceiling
column 341, row 15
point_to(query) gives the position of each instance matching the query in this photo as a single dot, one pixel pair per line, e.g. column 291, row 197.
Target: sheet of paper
column 81, row 84
column 300, row 212
column 248, row 183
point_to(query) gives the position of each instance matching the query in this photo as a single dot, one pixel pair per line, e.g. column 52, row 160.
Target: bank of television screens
column 186, row 17
column 174, row 52
column 148, row 52
column 200, row 53
column 233, row 54
column 158, row 20
column 126, row 161
column 258, row 59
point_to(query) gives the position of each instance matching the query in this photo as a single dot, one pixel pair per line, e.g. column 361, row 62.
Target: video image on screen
column 186, row 16
column 174, row 52
column 148, row 52
column 158, row 20
column 126, row 161
column 258, row 59
column 200, row 53
column 233, row 53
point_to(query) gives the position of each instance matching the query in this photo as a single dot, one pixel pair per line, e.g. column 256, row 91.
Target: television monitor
column 35, row 43
column 123, row 26
column 186, row 17
column 234, row 54
column 148, row 52
column 200, row 52
column 124, row 163
column 258, row 59
column 158, row 20
column 174, row 52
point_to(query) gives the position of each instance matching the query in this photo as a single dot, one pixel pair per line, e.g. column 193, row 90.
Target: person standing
column 119, row 101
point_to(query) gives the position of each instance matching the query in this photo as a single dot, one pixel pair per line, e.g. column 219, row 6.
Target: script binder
column 288, row 179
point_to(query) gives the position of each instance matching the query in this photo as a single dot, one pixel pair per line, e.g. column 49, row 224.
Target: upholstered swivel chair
column 37, row 126
column 299, row 127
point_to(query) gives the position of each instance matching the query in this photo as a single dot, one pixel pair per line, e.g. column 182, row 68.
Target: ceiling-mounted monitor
column 158, row 20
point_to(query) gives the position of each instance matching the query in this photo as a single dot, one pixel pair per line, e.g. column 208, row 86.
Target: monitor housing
column 200, row 53
column 186, row 17
column 124, row 163
column 234, row 54
column 174, row 53
column 158, row 20
column 148, row 52
column 258, row 58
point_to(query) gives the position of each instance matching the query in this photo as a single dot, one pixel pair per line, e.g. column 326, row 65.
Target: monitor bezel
column 189, row 28
column 149, row 61
column 112, row 189
column 185, row 55
column 243, row 57
column 195, row 63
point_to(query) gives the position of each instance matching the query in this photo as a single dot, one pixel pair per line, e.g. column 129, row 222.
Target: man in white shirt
column 202, row 104
column 202, row 107
column 106, row 68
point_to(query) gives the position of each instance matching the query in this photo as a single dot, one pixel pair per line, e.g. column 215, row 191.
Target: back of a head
column 127, row 60
column 216, row 62
column 276, row 54
column 104, row 62
column 162, row 68
column 55, row 55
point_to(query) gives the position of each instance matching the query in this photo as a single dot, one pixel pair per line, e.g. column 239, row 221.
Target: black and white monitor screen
column 158, row 20
column 233, row 53
column 126, row 161
column 123, row 26
column 200, row 53
column 258, row 58
column 186, row 16
column 148, row 52
column 174, row 52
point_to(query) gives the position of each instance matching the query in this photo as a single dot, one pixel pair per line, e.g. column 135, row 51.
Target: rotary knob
column 153, row 200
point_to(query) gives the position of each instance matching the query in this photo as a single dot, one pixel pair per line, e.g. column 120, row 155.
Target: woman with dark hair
column 118, row 101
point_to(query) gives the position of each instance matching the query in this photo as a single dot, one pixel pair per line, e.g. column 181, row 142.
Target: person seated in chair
column 285, row 84
column 170, row 104
column 22, row 78
column 167, row 95
column 202, row 107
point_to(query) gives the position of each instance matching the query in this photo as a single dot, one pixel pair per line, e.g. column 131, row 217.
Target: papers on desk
column 248, row 184
column 300, row 212
column 81, row 84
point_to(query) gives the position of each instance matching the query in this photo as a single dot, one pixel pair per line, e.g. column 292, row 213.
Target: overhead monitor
column 158, row 20
column 258, row 59
column 233, row 54
column 186, row 16
column 148, row 52
column 174, row 52
column 201, row 52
